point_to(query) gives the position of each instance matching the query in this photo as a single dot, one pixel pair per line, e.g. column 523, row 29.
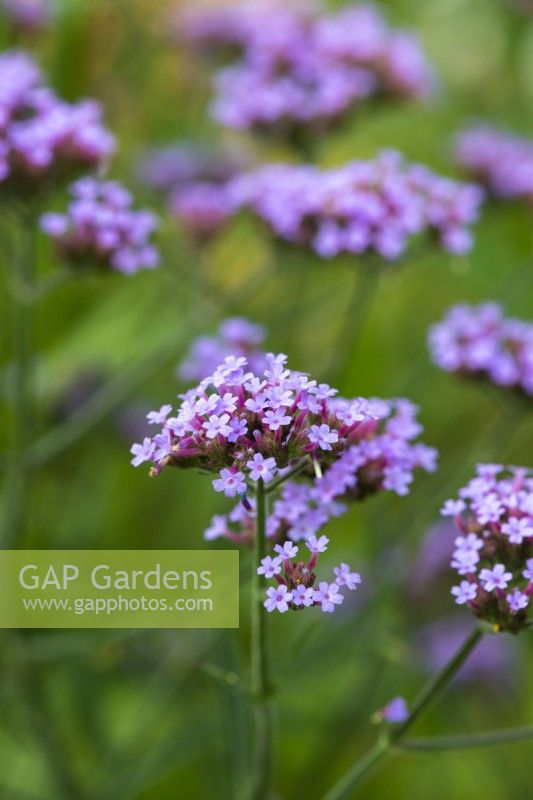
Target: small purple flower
column 217, row 426
column 465, row 561
column 163, row 445
column 274, row 419
column 230, row 482
column 319, row 545
column 495, row 578
column 303, row 595
column 464, row 593
column 159, row 417
column 344, row 577
column 216, row 529
column 238, row 428
column 323, row 436
column 453, row 508
column 395, row 711
column 142, row 452
column 327, row 596
column 261, row 467
column 517, row 600
column 269, row 567
column 517, row 529
column 468, row 543
column 528, row 572
column 278, row 599
column 287, row 550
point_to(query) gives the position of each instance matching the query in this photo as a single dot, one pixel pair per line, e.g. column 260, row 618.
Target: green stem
column 261, row 682
column 490, row 738
column 385, row 744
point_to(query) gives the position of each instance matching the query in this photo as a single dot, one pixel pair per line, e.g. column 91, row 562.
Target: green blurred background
column 161, row 714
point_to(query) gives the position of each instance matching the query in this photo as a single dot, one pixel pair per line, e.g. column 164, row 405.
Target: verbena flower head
column 479, row 342
column 202, row 208
column 377, row 206
column 500, row 160
column 493, row 553
column 299, row 66
column 235, row 336
column 100, row 228
column 295, row 579
column 234, row 415
column 231, row 30
column 184, row 163
column 27, row 15
column 42, row 136
column 381, row 454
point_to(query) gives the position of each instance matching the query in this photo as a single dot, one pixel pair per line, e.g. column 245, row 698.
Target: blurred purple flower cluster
column 235, row 336
column 296, row 579
column 479, row 341
column 202, row 208
column 194, row 179
column 502, row 161
column 495, row 660
column 177, row 165
column 364, row 206
column 229, row 29
column 303, row 66
column 382, row 456
column 27, row 15
column 42, row 136
column 100, row 227
column 494, row 552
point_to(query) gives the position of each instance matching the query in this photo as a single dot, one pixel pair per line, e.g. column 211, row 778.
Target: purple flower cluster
column 501, row 161
column 251, row 426
column 478, row 341
column 194, row 180
column 364, row 206
column 100, row 227
column 493, row 554
column 40, row 135
column 235, row 336
column 202, row 208
column 299, row 67
column 222, row 29
column 181, row 164
column 27, row 15
column 382, row 456
column 296, row 580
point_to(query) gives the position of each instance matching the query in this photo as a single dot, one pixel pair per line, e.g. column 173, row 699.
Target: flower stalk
column 385, row 744
column 261, row 685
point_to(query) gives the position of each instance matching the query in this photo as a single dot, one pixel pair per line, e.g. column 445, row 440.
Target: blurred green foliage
column 153, row 715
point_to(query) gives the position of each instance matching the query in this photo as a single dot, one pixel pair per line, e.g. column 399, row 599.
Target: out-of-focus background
column 153, row 715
